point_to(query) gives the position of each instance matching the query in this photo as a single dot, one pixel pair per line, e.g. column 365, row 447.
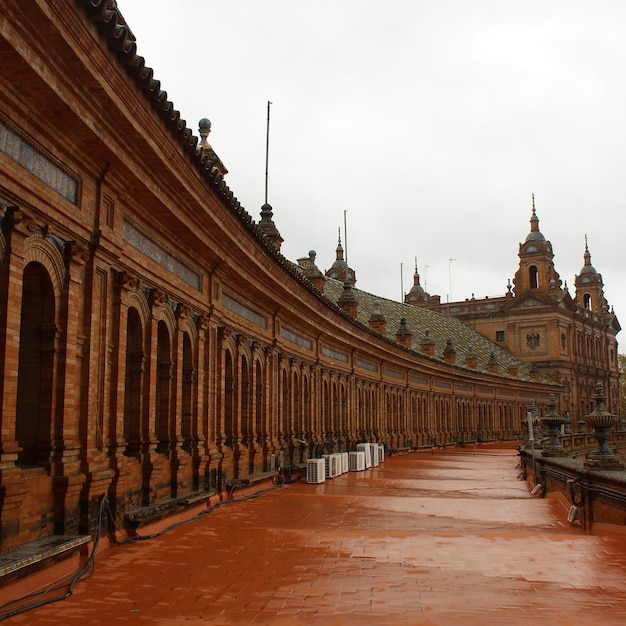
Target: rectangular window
column 499, row 335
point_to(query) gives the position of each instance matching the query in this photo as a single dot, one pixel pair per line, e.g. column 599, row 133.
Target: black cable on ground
column 82, row 574
column 30, row 602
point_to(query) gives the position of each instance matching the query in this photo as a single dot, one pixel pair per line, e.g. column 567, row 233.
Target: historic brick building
column 570, row 339
column 154, row 343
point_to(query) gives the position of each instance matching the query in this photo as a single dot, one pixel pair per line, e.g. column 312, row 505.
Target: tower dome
column 534, row 234
column 340, row 270
column 587, row 267
column 416, row 294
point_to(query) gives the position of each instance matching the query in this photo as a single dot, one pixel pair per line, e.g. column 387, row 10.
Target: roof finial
column 533, row 203
column 586, row 246
column 204, row 130
column 339, row 236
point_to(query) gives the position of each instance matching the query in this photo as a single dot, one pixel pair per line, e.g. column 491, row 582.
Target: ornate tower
column 589, row 286
column 417, row 294
column 536, row 271
column 339, row 270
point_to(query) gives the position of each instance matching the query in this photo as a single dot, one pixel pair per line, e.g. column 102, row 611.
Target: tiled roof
column 441, row 328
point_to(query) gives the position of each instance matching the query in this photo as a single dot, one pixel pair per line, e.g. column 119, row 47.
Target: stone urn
column 602, row 422
column 553, row 422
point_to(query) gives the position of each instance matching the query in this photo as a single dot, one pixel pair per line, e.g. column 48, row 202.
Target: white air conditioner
column 366, row 449
column 332, row 465
column 345, row 462
column 374, row 454
column 315, row 471
column 381, row 453
column 356, row 461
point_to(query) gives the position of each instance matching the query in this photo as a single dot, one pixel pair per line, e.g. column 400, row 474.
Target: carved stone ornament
column 183, row 311
column 24, row 221
column 158, row 298
column 130, row 282
column 203, row 322
column 80, row 252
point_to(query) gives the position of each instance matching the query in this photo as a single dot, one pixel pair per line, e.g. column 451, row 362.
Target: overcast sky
column 430, row 122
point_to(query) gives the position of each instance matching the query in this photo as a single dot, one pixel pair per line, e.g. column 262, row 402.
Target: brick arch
column 136, row 300
column 163, row 313
column 186, row 325
column 40, row 250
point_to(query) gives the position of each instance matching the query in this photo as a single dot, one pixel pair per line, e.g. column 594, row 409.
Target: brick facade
column 154, row 343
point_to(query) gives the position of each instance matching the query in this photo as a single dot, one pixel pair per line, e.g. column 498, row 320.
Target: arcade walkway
column 446, row 538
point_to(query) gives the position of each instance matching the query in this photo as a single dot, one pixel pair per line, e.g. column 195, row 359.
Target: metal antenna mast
column 267, row 148
column 345, row 235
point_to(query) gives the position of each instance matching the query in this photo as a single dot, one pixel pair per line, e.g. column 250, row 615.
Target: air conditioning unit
column 345, row 462
column 374, row 454
column 332, row 465
column 315, row 471
column 366, row 449
column 381, row 453
column 356, row 461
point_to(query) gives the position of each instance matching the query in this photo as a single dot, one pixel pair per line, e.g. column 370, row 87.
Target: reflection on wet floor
column 451, row 537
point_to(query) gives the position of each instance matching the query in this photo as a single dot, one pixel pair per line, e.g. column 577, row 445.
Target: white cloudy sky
column 431, row 122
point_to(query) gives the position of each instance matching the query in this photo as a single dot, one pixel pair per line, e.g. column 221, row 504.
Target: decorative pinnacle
column 204, row 128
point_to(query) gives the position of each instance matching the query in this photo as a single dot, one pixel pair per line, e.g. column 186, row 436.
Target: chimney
column 427, row 346
column 403, row 336
column 449, row 353
column 471, row 360
column 492, row 364
column 377, row 320
column 347, row 301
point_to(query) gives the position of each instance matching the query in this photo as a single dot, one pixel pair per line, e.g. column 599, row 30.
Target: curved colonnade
column 155, row 343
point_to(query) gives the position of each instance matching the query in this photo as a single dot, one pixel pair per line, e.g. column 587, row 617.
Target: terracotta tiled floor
column 445, row 538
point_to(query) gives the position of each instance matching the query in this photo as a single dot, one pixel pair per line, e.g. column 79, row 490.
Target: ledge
column 233, row 483
column 21, row 561
column 144, row 515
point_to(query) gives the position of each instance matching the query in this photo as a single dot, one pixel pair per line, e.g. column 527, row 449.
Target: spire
column 587, row 267
column 340, row 269
column 589, row 285
column 417, row 294
column 339, row 249
column 535, row 234
column 587, row 255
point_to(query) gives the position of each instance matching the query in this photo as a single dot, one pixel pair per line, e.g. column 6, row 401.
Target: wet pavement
column 451, row 537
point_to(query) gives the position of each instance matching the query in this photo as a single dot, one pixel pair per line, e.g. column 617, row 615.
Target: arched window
column 533, row 277
column 133, row 383
column 35, row 367
column 261, row 430
column 244, row 409
column 187, row 429
column 163, row 386
column 587, row 300
column 228, row 398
